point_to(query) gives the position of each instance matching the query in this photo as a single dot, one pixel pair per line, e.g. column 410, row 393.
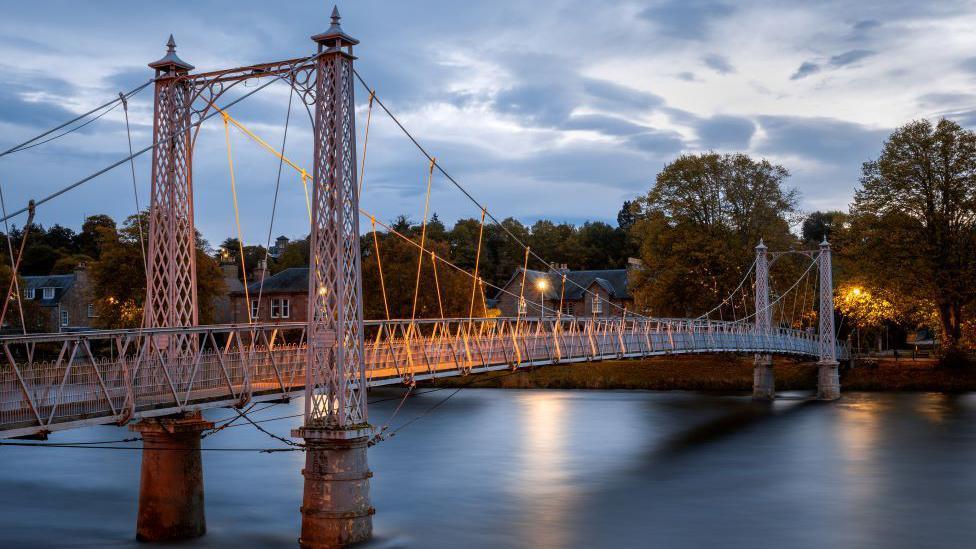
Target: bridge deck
column 60, row 381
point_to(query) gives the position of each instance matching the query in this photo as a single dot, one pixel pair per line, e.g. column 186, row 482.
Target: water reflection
column 499, row 469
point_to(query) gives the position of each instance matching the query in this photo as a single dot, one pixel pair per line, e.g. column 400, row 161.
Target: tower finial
column 171, row 62
column 334, row 36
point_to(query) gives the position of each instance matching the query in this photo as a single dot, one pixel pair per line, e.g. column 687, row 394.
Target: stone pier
column 335, row 506
column 171, row 485
column 828, row 380
column 763, row 378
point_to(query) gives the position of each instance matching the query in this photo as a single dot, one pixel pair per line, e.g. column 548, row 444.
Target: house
column 283, row 297
column 67, row 299
column 279, row 246
column 223, row 304
column 602, row 292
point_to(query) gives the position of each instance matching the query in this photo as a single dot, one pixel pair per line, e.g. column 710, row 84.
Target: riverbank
column 722, row 373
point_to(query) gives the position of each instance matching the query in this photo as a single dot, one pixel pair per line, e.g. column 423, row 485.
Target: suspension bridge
column 159, row 377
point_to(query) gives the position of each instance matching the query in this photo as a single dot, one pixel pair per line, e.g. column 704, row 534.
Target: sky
column 554, row 109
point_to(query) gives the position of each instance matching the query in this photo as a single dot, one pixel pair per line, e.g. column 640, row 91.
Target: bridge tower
column 763, row 378
column 171, row 483
column 828, row 377
column 335, row 506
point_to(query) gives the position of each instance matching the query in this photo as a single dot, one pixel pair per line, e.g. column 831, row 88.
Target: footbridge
column 158, row 378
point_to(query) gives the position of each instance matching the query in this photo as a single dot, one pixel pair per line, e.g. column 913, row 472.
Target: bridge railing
column 56, row 381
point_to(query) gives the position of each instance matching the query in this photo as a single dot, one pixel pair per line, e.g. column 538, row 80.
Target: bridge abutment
column 335, row 504
column 828, row 380
column 171, row 484
column 763, row 378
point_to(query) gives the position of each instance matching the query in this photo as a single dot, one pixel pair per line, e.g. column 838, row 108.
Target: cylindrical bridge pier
column 335, row 506
column 763, row 378
column 171, row 485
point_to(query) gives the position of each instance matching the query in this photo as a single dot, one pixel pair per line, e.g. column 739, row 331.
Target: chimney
column 260, row 271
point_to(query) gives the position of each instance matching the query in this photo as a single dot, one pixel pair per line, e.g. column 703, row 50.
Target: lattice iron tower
column 763, row 318
column 171, row 290
column 335, row 395
column 828, row 338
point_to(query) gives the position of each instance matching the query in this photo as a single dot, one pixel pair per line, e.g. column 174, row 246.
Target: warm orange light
column 541, row 284
column 323, row 290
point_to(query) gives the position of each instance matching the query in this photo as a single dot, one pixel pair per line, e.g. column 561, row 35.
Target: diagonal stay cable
column 464, row 191
column 31, row 142
column 214, row 112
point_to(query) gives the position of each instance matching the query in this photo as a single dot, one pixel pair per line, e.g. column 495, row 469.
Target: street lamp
column 542, row 285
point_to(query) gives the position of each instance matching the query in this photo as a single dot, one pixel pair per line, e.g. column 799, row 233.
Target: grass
column 723, row 373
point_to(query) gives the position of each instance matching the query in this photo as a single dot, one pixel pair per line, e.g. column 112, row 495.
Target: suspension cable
column 423, row 236
column 135, row 189
column 369, row 117
column 437, row 283
column 379, row 266
column 237, row 219
column 31, row 142
column 274, row 202
column 464, row 191
column 162, row 140
column 477, row 265
column 15, row 267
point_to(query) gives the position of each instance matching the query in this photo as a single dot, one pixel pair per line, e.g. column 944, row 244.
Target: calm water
column 494, row 468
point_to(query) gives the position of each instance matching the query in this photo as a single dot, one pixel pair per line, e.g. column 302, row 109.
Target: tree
column 699, row 226
column 119, row 277
column 915, row 220
column 820, row 225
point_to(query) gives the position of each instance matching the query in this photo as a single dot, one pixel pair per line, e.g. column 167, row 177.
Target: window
column 48, row 293
column 254, row 309
column 523, row 307
column 280, row 308
column 567, row 308
column 29, row 293
column 64, row 317
column 91, row 310
column 597, row 306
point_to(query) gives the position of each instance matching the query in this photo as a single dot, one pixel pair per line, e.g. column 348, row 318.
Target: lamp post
column 542, row 285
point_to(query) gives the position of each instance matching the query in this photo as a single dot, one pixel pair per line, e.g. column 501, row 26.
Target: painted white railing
column 59, row 381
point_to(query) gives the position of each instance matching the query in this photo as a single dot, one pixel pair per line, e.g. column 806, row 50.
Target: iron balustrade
column 51, row 382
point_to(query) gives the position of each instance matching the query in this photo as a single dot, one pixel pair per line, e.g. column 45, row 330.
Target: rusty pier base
column 828, row 380
column 335, row 505
column 171, row 485
column 763, row 378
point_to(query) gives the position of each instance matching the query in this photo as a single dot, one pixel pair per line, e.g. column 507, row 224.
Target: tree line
column 905, row 250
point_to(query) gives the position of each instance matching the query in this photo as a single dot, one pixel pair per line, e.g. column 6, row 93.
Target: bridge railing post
column 828, row 377
column 763, row 377
column 335, row 506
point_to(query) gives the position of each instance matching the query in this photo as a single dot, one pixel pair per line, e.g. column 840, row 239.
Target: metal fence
column 59, row 381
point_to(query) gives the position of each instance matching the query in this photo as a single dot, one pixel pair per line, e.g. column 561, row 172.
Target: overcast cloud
column 551, row 108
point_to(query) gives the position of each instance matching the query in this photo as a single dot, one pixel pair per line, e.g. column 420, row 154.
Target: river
column 494, row 468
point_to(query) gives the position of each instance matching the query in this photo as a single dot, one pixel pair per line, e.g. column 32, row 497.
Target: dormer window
column 29, row 293
column 47, row 293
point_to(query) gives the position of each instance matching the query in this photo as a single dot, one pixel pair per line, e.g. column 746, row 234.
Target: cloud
column 850, row 57
column 824, row 140
column 726, row 132
column 805, row 69
column 687, row 76
column 686, row 19
column 718, row 63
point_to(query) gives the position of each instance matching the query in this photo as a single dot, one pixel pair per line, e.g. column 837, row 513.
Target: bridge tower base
column 335, row 505
column 828, row 380
column 763, row 378
column 171, row 485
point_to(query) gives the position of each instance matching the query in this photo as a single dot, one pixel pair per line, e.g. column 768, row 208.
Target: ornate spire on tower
column 171, row 62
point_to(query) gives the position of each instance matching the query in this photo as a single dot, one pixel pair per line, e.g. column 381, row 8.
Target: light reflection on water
column 495, row 468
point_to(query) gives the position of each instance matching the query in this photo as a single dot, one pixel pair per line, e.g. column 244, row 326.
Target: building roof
column 613, row 281
column 289, row 281
column 60, row 283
